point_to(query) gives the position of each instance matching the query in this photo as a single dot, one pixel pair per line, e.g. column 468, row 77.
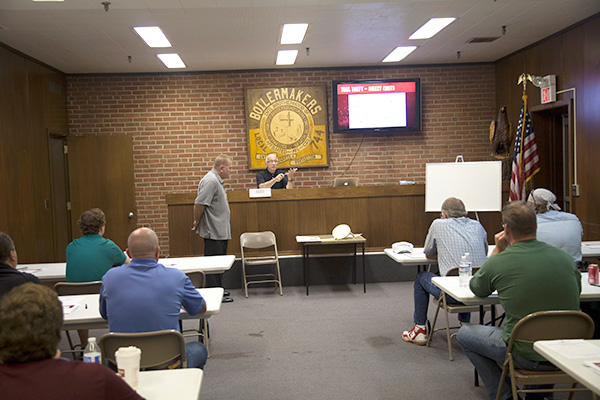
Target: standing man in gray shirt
column 212, row 216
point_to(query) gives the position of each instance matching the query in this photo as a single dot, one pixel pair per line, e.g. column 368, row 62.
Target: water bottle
column 464, row 270
column 91, row 354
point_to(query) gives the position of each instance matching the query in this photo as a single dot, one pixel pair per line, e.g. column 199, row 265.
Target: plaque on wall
column 290, row 121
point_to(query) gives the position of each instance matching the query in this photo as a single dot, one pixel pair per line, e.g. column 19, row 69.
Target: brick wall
column 181, row 122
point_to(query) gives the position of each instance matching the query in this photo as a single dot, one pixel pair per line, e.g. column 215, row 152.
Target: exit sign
column 548, row 89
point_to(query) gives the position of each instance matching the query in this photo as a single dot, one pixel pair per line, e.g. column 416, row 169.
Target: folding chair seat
column 544, row 325
column 160, row 349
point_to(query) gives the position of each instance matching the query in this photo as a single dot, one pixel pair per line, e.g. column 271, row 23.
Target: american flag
column 526, row 161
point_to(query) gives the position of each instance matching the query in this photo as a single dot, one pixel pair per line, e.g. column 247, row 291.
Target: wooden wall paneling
column 183, row 241
column 314, row 218
column 577, row 46
column 392, row 219
column 40, row 206
column 384, row 215
column 574, row 56
column 25, row 157
column 508, row 93
column 14, row 168
column 588, row 131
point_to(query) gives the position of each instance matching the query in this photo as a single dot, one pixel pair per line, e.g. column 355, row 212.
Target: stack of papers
column 306, row 239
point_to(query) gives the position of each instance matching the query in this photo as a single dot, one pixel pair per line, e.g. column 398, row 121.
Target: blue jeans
column 485, row 348
column 196, row 355
column 423, row 288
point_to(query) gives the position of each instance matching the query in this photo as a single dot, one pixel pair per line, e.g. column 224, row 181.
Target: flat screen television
column 377, row 106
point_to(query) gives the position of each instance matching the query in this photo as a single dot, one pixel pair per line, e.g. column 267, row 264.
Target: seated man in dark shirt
column 31, row 319
column 274, row 178
column 9, row 276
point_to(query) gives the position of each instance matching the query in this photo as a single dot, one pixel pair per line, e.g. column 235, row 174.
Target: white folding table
column 181, row 384
column 207, row 264
column 571, row 356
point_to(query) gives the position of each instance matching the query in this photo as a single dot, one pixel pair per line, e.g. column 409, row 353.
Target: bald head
column 143, row 243
column 454, row 208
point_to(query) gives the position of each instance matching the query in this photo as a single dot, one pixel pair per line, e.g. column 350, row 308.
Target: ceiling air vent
column 483, row 39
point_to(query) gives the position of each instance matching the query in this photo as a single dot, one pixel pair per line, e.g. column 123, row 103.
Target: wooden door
column 101, row 175
column 551, row 123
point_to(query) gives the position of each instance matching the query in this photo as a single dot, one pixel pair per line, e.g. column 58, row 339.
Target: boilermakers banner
column 288, row 121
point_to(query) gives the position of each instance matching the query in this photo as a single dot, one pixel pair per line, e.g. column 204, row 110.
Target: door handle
column 131, row 214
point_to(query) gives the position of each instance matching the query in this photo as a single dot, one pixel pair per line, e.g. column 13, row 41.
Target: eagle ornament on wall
column 502, row 134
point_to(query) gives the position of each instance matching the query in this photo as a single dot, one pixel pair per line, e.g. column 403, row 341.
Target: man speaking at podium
column 274, row 178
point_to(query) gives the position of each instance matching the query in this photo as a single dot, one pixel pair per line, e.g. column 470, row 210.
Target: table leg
column 364, row 270
column 306, row 272
column 354, row 267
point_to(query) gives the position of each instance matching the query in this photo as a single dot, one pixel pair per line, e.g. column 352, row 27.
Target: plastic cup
column 128, row 364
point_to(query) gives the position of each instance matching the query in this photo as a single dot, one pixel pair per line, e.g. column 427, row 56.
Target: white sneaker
column 416, row 335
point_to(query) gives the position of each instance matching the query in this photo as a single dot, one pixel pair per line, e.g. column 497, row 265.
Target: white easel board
column 477, row 184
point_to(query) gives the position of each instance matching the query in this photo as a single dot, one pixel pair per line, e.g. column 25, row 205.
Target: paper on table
column 578, row 348
column 29, row 270
column 415, row 255
column 69, row 308
column 169, row 263
column 594, row 365
column 595, row 245
column 70, row 304
column 304, row 239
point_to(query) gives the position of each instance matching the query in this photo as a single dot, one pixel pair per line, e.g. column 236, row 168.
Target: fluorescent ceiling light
column 431, row 27
column 153, row 36
column 286, row 57
column 171, row 60
column 293, row 33
column 399, row 53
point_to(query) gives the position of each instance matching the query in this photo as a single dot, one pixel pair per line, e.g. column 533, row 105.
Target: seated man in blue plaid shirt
column 448, row 239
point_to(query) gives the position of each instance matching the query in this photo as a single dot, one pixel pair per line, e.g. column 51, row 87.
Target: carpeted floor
column 337, row 343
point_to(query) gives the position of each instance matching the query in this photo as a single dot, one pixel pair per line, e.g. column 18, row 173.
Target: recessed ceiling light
column 171, row 60
column 286, row 57
column 399, row 53
column 153, row 36
column 293, row 33
column 431, row 27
